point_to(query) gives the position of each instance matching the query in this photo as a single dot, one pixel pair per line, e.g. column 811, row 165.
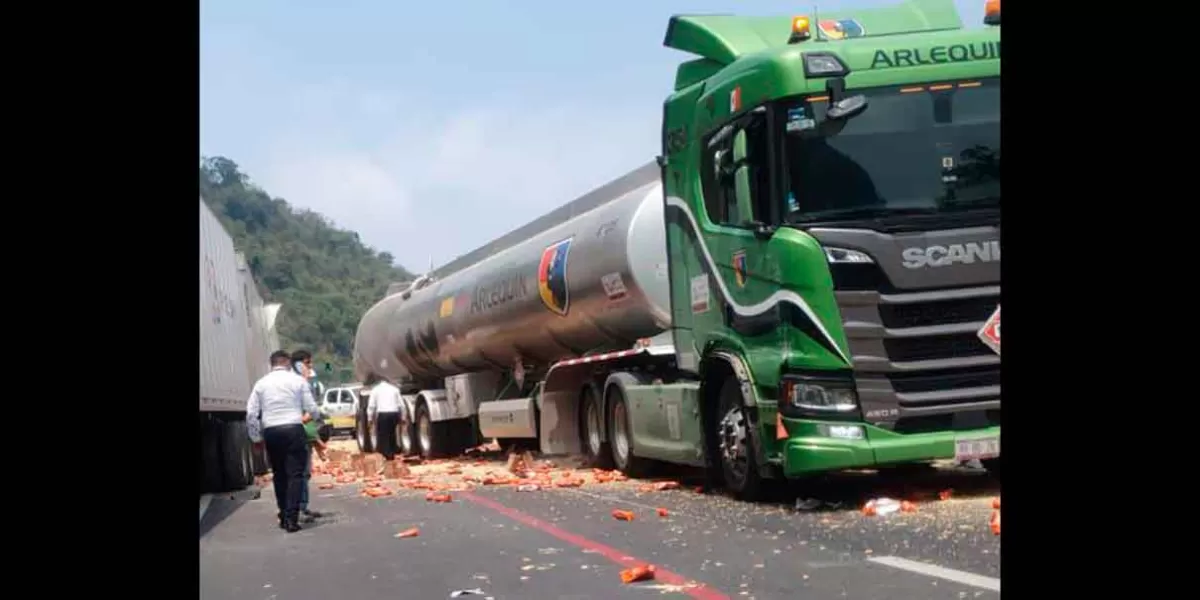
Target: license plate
column 976, row 448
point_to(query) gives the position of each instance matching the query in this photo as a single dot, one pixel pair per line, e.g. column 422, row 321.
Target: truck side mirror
column 723, row 164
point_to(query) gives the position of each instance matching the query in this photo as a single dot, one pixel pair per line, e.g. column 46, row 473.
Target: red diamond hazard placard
column 990, row 333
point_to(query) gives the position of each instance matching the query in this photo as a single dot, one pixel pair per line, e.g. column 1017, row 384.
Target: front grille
column 961, row 421
column 945, row 379
column 935, row 347
column 940, row 312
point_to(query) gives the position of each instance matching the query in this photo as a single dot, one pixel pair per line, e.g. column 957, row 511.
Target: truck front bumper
column 811, row 447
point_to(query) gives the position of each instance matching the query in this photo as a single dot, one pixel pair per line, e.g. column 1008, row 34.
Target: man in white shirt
column 384, row 409
column 279, row 405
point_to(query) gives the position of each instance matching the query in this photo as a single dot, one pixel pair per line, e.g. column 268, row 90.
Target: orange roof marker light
column 991, row 12
column 800, row 30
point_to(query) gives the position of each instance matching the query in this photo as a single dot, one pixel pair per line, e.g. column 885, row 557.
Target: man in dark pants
column 278, row 407
column 385, row 408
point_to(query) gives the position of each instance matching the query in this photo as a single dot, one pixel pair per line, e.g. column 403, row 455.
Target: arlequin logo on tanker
column 552, row 277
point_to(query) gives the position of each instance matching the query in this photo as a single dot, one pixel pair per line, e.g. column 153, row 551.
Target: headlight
column 846, row 255
column 821, row 395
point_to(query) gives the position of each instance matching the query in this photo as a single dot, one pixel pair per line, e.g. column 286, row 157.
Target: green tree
column 325, row 277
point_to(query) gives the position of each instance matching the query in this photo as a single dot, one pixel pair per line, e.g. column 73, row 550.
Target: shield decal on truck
column 739, row 267
column 552, row 277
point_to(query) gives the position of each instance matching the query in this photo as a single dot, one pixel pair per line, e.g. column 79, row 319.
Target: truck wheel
column 433, row 439
column 619, row 436
column 234, row 443
column 247, row 455
column 258, row 461
column 233, row 476
column 735, row 448
column 591, row 430
column 993, row 466
column 365, row 439
column 406, row 436
column 210, row 453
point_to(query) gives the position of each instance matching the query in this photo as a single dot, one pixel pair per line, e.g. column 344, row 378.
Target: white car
column 341, row 404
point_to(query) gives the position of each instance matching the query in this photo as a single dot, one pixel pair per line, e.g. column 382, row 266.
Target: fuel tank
column 590, row 275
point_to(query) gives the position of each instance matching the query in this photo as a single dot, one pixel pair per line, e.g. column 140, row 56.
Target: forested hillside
column 324, row 276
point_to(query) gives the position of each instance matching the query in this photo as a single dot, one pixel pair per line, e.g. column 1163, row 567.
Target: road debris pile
column 376, row 476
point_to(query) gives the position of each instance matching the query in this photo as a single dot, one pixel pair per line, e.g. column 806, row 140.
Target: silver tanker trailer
column 471, row 344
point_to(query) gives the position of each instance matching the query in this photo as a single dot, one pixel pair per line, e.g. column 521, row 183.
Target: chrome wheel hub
column 405, row 438
column 620, row 437
column 423, row 428
column 593, row 425
column 733, row 447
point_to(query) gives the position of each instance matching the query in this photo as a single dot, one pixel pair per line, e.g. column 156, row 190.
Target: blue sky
column 433, row 127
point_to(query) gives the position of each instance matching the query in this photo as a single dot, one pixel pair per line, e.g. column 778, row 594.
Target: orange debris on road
column 638, row 573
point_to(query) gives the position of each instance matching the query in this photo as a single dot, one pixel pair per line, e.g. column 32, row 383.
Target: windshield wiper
column 861, row 212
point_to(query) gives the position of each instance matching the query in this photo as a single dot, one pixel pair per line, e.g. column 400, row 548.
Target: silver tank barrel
column 588, row 275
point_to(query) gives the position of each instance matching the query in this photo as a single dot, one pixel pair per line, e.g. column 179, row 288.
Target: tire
column 596, row 448
column 245, row 476
column 433, row 439
column 247, row 462
column 258, row 461
column 210, row 453
column 406, row 434
column 233, row 472
column 736, row 458
column 993, row 466
column 620, row 441
column 364, row 434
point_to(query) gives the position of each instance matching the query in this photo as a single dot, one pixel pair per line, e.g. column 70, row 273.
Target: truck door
column 725, row 263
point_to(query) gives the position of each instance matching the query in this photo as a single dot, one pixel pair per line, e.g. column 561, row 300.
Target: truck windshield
column 922, row 149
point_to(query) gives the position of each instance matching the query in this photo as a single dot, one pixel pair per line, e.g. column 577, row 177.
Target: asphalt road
column 565, row 544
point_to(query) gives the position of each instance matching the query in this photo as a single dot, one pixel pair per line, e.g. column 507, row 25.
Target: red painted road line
column 700, row 591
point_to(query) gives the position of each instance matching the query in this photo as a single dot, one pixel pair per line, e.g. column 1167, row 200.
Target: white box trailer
column 237, row 335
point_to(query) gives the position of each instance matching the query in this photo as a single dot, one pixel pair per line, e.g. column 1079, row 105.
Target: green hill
column 325, row 277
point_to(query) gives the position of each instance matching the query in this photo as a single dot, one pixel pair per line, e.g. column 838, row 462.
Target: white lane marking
column 205, row 500
column 963, row 577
